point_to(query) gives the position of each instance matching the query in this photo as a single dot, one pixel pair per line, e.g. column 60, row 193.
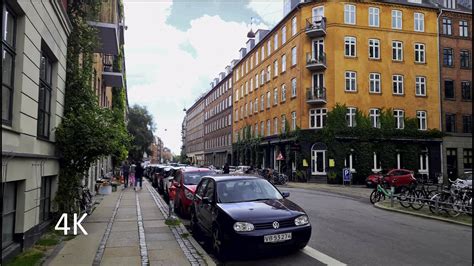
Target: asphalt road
column 350, row 230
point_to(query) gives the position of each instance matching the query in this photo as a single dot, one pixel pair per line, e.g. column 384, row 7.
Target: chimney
column 250, row 44
column 227, row 70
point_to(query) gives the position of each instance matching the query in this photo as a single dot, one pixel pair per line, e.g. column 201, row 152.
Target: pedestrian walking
column 138, row 175
column 133, row 168
column 226, row 169
column 125, row 172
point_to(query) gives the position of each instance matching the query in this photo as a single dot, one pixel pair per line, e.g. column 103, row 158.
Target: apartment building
column 366, row 55
column 218, row 121
column 455, row 53
column 194, row 133
column 34, row 48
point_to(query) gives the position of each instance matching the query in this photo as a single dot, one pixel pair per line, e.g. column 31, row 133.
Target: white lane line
column 321, row 256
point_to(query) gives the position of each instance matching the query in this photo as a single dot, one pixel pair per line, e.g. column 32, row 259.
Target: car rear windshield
column 246, row 190
column 193, row 178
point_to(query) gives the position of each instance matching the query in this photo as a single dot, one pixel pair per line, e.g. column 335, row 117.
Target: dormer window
column 450, row 4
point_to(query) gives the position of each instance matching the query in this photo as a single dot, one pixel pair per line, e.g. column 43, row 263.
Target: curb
column 380, row 206
column 192, row 250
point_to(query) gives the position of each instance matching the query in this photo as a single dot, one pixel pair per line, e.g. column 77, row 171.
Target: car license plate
column 277, row 238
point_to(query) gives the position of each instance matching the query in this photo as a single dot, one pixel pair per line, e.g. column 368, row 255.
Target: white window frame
column 351, row 76
column 375, row 83
column 283, row 63
column 269, row 48
column 251, row 85
column 398, row 85
column 283, row 123
column 269, row 73
column 275, row 42
column 374, row 17
column 351, row 113
column 262, row 77
column 419, row 22
column 397, row 46
column 350, row 14
column 318, row 116
column 424, row 163
column 463, row 28
column 374, row 114
column 420, row 52
column 275, row 126
column 422, row 117
column 374, row 44
column 376, row 164
column 293, row 120
column 262, row 103
column 294, row 56
column 293, row 26
column 399, row 116
column 256, row 81
column 262, row 54
column 283, row 93
column 420, row 86
column 275, row 68
column 349, row 43
column 283, row 35
column 397, row 19
column 293, row 87
column 269, row 99
column 269, row 127
column 275, row 96
column 256, row 57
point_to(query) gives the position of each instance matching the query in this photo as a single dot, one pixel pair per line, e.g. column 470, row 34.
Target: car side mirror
column 285, row 194
column 206, row 200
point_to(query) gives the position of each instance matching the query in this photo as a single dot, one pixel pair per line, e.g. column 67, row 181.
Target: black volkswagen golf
column 247, row 213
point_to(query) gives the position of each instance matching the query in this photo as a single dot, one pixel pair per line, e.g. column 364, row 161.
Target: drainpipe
column 440, row 94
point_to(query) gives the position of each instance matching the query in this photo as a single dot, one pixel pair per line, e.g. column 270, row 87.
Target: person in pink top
column 132, row 175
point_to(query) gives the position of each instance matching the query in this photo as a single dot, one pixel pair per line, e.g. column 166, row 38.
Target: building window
column 448, row 59
column 269, row 128
column 374, row 117
column 269, row 50
column 246, row 87
column 262, row 128
column 283, row 124
column 293, row 26
column 251, row 84
column 447, row 26
column 351, row 81
column 374, row 19
column 463, row 29
column 283, row 35
column 8, row 212
column 45, row 200
column 374, row 49
column 396, row 19
column 275, row 126
column 256, row 58
column 419, row 22
column 293, row 56
column 255, row 106
column 350, row 46
column 256, row 81
column 449, row 89
column 377, row 163
column 269, row 73
column 283, row 63
column 348, row 162
column 293, row 88
column 374, row 83
column 420, row 86
column 466, row 90
column 465, row 57
column 262, row 54
column 293, row 120
column 349, row 14
column 283, row 93
column 419, row 53
column 450, row 123
column 275, row 42
column 275, row 96
column 422, row 120
column 262, row 77
column 250, row 108
column 450, row 3
column 256, row 129
column 275, row 68
column 262, row 102
column 317, row 117
column 467, row 159
column 44, row 101
column 467, row 123
column 8, row 63
column 424, row 162
column 269, row 99
column 397, row 51
column 397, row 84
column 351, row 113
column 399, row 116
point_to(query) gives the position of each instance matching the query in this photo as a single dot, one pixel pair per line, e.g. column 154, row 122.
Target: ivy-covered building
column 341, row 84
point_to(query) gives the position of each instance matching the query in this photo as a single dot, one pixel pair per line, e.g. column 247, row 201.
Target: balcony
column 109, row 24
column 316, row 95
column 316, row 27
column 112, row 75
column 316, row 62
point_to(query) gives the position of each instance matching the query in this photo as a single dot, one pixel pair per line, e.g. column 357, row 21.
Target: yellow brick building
column 366, row 55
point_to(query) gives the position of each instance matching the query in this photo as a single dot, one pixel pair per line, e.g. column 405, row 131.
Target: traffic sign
column 346, row 175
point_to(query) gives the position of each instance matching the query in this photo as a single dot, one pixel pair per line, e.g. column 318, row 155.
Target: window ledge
column 420, row 63
column 346, row 91
column 398, row 94
column 398, row 61
column 421, row 96
column 350, row 57
column 375, row 59
column 375, row 93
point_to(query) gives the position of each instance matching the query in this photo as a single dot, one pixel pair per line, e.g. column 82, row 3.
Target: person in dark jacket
column 139, row 175
column 125, row 173
column 226, row 169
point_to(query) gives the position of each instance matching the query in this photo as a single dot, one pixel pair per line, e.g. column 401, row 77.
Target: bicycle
column 380, row 191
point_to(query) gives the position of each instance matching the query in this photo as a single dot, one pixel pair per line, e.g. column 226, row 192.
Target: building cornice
column 61, row 12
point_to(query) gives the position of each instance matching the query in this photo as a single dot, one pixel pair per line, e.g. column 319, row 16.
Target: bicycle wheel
column 375, row 196
column 453, row 206
column 418, row 199
column 404, row 198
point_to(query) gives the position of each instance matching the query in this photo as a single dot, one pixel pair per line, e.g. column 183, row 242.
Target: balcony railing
column 110, row 63
column 316, row 26
column 316, row 61
column 112, row 74
column 316, row 95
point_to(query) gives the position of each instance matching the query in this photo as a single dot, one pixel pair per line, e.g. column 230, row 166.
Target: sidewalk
column 359, row 191
column 128, row 228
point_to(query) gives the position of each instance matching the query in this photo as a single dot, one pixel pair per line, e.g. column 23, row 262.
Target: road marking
column 321, row 256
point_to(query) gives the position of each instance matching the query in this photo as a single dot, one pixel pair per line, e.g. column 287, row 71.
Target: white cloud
column 165, row 77
column 271, row 11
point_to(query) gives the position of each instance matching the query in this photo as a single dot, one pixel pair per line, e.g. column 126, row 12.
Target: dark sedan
column 247, row 213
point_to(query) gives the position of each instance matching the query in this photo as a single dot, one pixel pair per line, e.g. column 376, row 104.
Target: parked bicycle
column 381, row 191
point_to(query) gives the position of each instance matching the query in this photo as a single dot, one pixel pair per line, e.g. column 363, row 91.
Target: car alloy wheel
column 217, row 244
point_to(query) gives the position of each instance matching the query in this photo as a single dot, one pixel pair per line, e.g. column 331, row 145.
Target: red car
column 184, row 185
column 394, row 177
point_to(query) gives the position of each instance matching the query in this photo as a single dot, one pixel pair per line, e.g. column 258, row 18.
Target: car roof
column 195, row 169
column 226, row 177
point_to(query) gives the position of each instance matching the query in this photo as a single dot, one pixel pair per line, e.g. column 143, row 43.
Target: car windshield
column 230, row 191
column 193, row 178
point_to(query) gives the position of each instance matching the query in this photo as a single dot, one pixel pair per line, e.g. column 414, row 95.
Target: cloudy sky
column 174, row 49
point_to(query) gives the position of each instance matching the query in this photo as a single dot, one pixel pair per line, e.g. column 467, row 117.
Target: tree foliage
column 141, row 127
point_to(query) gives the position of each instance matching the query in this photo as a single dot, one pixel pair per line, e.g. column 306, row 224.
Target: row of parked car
column 236, row 212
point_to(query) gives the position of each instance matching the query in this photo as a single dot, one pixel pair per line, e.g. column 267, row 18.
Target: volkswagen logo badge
column 276, row 225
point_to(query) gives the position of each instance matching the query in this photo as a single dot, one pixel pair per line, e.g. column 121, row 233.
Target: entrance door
column 452, row 163
column 318, row 159
column 318, row 14
column 318, row 49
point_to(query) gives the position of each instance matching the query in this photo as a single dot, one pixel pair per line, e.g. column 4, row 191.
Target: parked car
column 394, row 177
column 232, row 169
column 465, row 179
column 184, row 184
column 248, row 214
column 241, row 169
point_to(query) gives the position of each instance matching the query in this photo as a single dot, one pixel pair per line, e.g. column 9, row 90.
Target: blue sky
column 174, row 49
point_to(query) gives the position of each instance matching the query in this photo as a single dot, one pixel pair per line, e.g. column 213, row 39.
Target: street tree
column 141, row 127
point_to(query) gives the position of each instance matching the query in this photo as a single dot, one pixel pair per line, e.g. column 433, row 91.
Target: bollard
column 392, row 191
